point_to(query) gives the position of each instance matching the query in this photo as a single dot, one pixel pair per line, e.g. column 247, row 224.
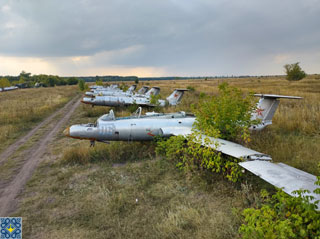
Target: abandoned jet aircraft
column 146, row 127
column 113, row 92
column 114, row 86
column 142, row 100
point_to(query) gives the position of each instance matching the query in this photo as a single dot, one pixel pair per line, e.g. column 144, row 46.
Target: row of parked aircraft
column 140, row 127
column 113, row 96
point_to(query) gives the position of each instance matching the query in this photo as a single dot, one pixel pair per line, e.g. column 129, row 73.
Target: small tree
column 294, row 72
column 81, row 85
column 4, row 82
column 229, row 113
column 99, row 82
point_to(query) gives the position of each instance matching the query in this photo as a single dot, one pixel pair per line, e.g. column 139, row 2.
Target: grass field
column 123, row 190
column 20, row 110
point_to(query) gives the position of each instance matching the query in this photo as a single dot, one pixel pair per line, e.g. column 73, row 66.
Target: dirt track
column 32, row 156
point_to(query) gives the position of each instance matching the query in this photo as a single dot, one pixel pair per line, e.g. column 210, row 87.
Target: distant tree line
column 26, row 80
column 107, row 78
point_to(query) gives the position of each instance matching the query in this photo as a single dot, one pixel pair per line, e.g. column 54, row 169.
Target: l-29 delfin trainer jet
column 141, row 100
column 146, row 127
column 112, row 91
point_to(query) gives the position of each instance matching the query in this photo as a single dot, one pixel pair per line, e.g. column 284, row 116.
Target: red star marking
column 150, row 134
column 176, row 95
column 259, row 111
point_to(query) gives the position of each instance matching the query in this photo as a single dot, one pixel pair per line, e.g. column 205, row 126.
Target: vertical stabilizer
column 143, row 90
column 132, row 89
column 176, row 96
column 267, row 107
column 153, row 91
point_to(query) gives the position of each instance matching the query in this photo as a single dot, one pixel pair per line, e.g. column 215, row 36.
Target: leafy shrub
column 225, row 116
column 202, row 95
column 4, row 82
column 229, row 113
column 191, row 156
column 155, row 99
column 81, row 85
column 123, row 87
column 294, row 72
column 191, row 88
column 99, row 82
column 282, row 216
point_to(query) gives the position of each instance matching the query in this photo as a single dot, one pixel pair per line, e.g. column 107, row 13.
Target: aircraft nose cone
column 86, row 101
column 66, row 132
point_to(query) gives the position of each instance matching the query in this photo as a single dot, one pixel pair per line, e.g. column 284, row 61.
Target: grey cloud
column 184, row 36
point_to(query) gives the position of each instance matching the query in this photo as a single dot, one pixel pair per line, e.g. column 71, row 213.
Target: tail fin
column 176, row 96
column 267, row 107
column 132, row 88
column 153, row 91
column 143, row 90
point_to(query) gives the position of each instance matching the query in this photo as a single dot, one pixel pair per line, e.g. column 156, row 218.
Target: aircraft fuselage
column 129, row 129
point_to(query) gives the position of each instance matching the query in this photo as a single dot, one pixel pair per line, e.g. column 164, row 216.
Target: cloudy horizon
column 158, row 38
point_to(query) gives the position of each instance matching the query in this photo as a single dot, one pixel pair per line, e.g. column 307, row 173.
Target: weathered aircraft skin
column 144, row 100
column 146, row 127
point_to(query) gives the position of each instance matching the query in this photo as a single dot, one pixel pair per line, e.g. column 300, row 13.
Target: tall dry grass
column 22, row 109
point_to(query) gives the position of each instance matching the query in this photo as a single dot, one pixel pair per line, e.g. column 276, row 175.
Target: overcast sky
column 158, row 37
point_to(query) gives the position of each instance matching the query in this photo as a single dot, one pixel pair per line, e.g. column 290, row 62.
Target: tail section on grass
column 266, row 108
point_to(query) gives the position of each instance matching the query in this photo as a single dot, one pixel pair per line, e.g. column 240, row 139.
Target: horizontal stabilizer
column 283, row 176
column 277, row 96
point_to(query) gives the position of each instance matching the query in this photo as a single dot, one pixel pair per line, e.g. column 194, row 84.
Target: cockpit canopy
column 108, row 117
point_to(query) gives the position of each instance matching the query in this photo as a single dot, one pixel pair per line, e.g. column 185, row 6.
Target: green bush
column 123, row 87
column 81, row 84
column 191, row 88
column 282, row 216
column 155, row 99
column 4, row 82
column 225, row 116
column 294, row 72
column 99, row 82
column 190, row 155
column 229, row 113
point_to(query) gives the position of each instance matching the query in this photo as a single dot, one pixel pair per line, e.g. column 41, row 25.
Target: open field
column 123, row 190
column 22, row 109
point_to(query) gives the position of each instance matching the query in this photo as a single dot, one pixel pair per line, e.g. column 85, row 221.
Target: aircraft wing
column 278, row 174
column 283, row 176
column 224, row 146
